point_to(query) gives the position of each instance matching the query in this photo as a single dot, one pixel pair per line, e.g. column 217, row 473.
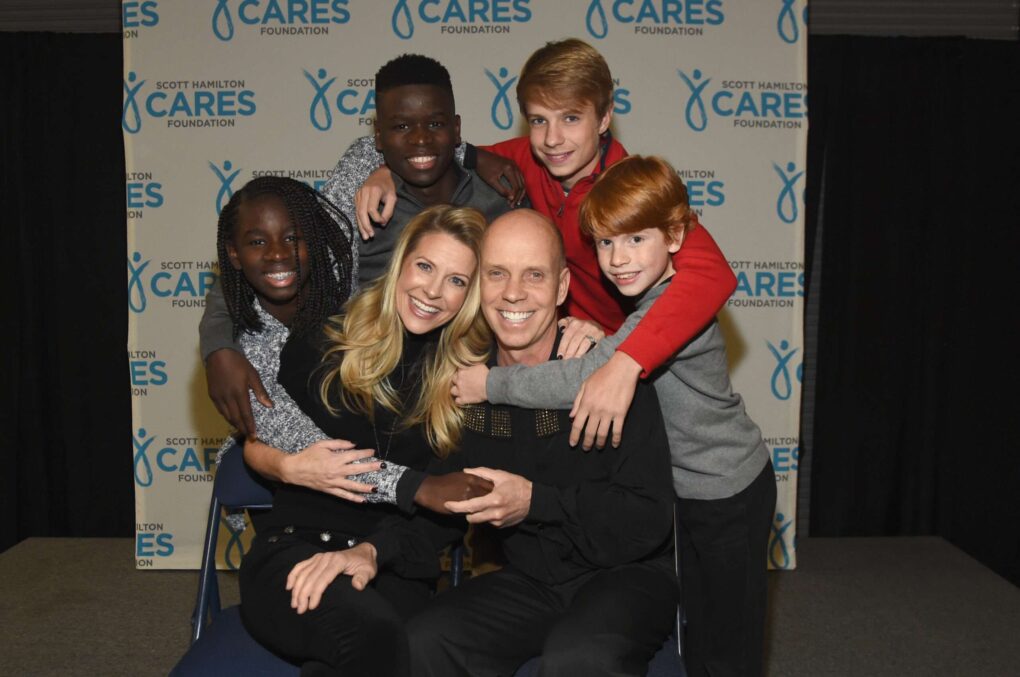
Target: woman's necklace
column 393, row 426
column 389, row 440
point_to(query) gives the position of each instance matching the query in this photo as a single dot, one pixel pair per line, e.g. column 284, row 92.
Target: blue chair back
column 219, row 643
column 236, row 487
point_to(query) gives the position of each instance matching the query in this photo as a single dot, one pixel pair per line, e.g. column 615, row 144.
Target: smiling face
column 417, row 130
column 523, row 281
column 636, row 262
column 566, row 139
column 433, row 282
column 271, row 254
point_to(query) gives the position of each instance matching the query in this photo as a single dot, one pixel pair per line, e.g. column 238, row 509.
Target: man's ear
column 456, row 129
column 561, row 292
column 607, row 119
column 235, row 261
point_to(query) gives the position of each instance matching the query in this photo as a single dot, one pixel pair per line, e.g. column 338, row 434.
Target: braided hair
column 329, row 254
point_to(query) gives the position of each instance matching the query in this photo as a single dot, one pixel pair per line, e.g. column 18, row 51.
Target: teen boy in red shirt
column 565, row 92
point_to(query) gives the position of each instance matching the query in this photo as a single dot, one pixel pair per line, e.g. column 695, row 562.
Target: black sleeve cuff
column 407, row 487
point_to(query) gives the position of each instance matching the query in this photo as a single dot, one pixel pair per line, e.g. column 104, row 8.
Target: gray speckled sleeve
column 285, row 426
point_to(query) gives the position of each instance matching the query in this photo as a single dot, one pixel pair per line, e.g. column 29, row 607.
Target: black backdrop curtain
column 914, row 146
column 66, row 464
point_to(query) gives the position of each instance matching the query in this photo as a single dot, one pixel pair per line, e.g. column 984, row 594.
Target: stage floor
column 856, row 606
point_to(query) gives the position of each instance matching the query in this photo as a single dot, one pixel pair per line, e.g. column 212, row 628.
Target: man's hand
column 469, row 385
column 603, row 401
column 229, row 375
column 494, row 169
column 326, row 465
column 378, row 188
column 310, row 578
column 579, row 336
column 506, row 505
column 437, row 490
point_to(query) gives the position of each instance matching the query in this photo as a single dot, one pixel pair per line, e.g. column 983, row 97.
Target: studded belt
column 324, row 538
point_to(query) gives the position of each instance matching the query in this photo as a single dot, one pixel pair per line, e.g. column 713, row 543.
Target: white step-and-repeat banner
column 217, row 92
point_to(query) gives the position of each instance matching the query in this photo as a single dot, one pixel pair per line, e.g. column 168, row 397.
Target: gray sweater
column 717, row 449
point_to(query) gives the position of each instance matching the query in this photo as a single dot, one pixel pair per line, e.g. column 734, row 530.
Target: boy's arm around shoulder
column 698, row 291
column 550, row 385
column 216, row 329
column 229, row 375
column 554, row 384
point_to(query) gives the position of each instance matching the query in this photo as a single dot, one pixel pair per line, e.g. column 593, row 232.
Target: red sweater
column 703, row 282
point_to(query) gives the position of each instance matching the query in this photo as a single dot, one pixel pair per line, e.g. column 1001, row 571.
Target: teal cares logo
column 188, row 457
column 142, row 192
column 748, row 103
column 137, row 300
column 788, row 23
column 143, row 467
column 471, row 17
column 785, row 371
column 654, row 18
column 781, row 545
column 356, row 99
column 501, row 112
column 767, row 284
column 233, row 552
column 226, row 175
column 279, row 17
column 135, row 14
column 184, row 283
column 786, row 203
column 185, row 103
column 131, row 117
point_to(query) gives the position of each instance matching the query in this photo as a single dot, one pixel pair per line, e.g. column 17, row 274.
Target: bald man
column 589, row 582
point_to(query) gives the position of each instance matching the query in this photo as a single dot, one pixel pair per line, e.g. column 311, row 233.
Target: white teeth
column 516, row 315
column 280, row 276
column 421, row 159
column 625, row 276
column 423, row 307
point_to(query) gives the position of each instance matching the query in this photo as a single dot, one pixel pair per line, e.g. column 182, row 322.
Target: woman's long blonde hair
column 367, row 342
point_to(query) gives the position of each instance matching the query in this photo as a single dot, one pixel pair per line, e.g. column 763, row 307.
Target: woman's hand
column 579, row 336
column 326, row 465
column 310, row 578
column 229, row 375
column 469, row 385
column 436, row 490
column 378, row 188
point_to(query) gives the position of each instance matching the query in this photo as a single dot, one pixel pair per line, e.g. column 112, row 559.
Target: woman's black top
column 406, row 544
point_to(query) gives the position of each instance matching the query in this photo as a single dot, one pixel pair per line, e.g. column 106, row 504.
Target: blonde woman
column 329, row 582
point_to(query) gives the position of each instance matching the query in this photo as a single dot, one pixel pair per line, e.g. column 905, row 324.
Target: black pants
column 723, row 550
column 607, row 623
column 351, row 632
